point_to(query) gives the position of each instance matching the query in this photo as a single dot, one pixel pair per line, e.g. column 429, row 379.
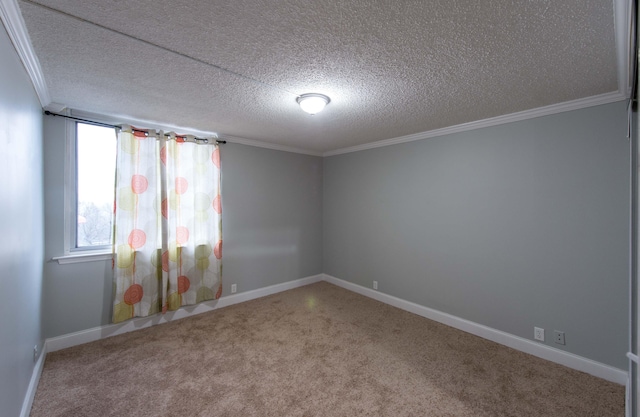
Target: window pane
column 96, row 166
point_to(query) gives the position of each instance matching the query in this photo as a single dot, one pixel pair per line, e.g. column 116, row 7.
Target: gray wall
column 272, row 216
column 272, row 230
column 78, row 296
column 21, row 225
column 514, row 226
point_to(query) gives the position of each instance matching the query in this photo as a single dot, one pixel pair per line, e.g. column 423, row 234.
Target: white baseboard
column 524, row 345
column 101, row 332
column 33, row 383
column 528, row 346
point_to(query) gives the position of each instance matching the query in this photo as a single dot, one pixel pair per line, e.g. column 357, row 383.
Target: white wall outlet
column 35, row 353
column 375, row 285
column 234, row 288
column 558, row 337
column 538, row 333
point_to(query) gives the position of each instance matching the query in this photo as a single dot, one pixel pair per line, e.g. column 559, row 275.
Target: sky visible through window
column 96, row 165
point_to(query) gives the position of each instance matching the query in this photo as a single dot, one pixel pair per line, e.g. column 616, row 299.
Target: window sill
column 75, row 258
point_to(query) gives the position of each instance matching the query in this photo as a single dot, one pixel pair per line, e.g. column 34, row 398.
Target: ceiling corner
column 16, row 28
column 623, row 26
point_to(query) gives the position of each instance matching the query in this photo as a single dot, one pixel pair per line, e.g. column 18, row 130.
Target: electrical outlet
column 375, row 285
column 35, row 353
column 538, row 333
column 559, row 337
column 234, row 288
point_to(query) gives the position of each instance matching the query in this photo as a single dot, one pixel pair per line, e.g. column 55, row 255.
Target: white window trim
column 69, row 182
column 71, row 253
column 89, row 256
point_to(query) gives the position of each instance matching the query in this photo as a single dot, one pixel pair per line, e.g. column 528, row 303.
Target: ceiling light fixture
column 313, row 103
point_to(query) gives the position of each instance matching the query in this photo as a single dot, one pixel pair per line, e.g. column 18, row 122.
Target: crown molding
column 12, row 19
column 622, row 13
column 55, row 107
column 115, row 119
column 273, row 146
column 148, row 124
column 622, row 22
column 16, row 28
column 493, row 121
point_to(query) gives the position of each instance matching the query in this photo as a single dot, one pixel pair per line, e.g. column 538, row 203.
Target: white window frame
column 73, row 254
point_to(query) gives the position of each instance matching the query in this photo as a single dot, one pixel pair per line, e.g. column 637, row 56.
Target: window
column 95, row 157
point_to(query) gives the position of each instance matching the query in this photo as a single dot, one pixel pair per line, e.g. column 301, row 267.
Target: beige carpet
column 318, row 350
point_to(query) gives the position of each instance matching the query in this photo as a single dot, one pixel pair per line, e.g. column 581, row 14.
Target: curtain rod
column 93, row 122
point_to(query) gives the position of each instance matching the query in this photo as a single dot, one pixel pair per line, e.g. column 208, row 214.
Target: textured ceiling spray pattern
column 390, row 68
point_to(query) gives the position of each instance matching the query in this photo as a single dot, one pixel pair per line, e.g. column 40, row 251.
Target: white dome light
column 313, row 103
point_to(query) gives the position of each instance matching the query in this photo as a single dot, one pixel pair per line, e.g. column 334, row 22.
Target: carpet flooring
column 317, row 350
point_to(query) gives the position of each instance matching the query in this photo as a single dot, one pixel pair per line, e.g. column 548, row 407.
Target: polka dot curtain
column 167, row 228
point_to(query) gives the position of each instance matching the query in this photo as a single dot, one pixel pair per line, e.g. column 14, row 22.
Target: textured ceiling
column 391, row 68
